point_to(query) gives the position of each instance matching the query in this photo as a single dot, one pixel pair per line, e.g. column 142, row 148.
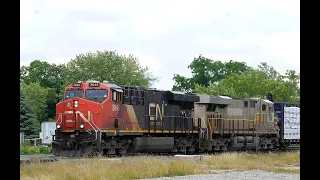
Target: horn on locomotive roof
column 90, row 81
column 270, row 97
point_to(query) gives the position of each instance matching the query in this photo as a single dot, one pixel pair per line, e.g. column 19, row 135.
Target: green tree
column 49, row 76
column 26, row 118
column 36, row 96
column 206, row 71
column 110, row 66
column 288, row 87
column 52, row 99
column 256, row 83
column 182, row 83
column 271, row 72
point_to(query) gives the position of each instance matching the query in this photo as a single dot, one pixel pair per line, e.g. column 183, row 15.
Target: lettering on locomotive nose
column 115, row 107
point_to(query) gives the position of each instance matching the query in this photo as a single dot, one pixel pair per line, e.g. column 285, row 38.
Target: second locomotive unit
column 104, row 118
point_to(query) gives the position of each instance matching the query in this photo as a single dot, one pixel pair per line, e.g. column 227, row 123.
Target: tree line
column 42, row 84
column 238, row 80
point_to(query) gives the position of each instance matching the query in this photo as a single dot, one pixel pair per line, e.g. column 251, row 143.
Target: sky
column 165, row 35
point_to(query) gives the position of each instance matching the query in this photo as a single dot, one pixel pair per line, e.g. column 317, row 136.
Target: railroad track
column 25, row 159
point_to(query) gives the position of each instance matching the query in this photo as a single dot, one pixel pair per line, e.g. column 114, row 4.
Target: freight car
column 47, row 132
column 104, row 118
column 288, row 118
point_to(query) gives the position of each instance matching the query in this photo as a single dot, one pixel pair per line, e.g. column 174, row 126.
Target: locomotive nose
column 72, row 103
column 70, row 114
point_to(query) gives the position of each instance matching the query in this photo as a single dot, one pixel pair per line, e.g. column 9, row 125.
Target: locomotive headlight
column 58, row 126
column 81, row 126
column 76, row 103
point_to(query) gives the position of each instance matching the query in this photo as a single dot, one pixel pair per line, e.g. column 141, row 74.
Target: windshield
column 73, row 93
column 96, row 95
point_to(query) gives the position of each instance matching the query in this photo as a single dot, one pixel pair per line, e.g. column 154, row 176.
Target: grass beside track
column 244, row 161
column 152, row 167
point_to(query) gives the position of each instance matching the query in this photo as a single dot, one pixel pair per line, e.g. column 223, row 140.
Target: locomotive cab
column 83, row 104
column 86, row 109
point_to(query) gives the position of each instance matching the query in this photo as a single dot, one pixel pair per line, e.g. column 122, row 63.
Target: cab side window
column 253, row 104
column 264, row 107
column 116, row 96
column 246, row 104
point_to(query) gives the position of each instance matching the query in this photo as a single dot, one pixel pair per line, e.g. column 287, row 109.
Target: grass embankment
column 28, row 149
column 151, row 167
column 243, row 161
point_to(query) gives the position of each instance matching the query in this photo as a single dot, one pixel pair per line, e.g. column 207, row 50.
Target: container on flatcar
column 21, row 138
column 47, row 131
column 288, row 115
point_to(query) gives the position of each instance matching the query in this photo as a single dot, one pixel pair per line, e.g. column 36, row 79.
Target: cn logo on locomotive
column 156, row 113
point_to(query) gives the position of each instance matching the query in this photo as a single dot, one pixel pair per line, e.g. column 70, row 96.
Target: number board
column 76, row 85
column 93, row 84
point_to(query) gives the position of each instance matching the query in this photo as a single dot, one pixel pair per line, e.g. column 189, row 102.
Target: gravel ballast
column 239, row 175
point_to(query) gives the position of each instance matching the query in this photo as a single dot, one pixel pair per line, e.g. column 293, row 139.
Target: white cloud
column 285, row 46
column 146, row 60
column 57, row 61
column 209, row 41
column 108, row 31
column 281, row 50
column 165, row 35
column 114, row 7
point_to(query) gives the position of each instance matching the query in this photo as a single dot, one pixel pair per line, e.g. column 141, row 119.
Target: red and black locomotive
column 104, row 118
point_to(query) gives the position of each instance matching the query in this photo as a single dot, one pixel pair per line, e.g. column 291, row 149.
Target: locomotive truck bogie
column 121, row 145
column 73, row 144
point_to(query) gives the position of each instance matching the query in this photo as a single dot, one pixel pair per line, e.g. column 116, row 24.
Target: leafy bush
column 27, row 149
